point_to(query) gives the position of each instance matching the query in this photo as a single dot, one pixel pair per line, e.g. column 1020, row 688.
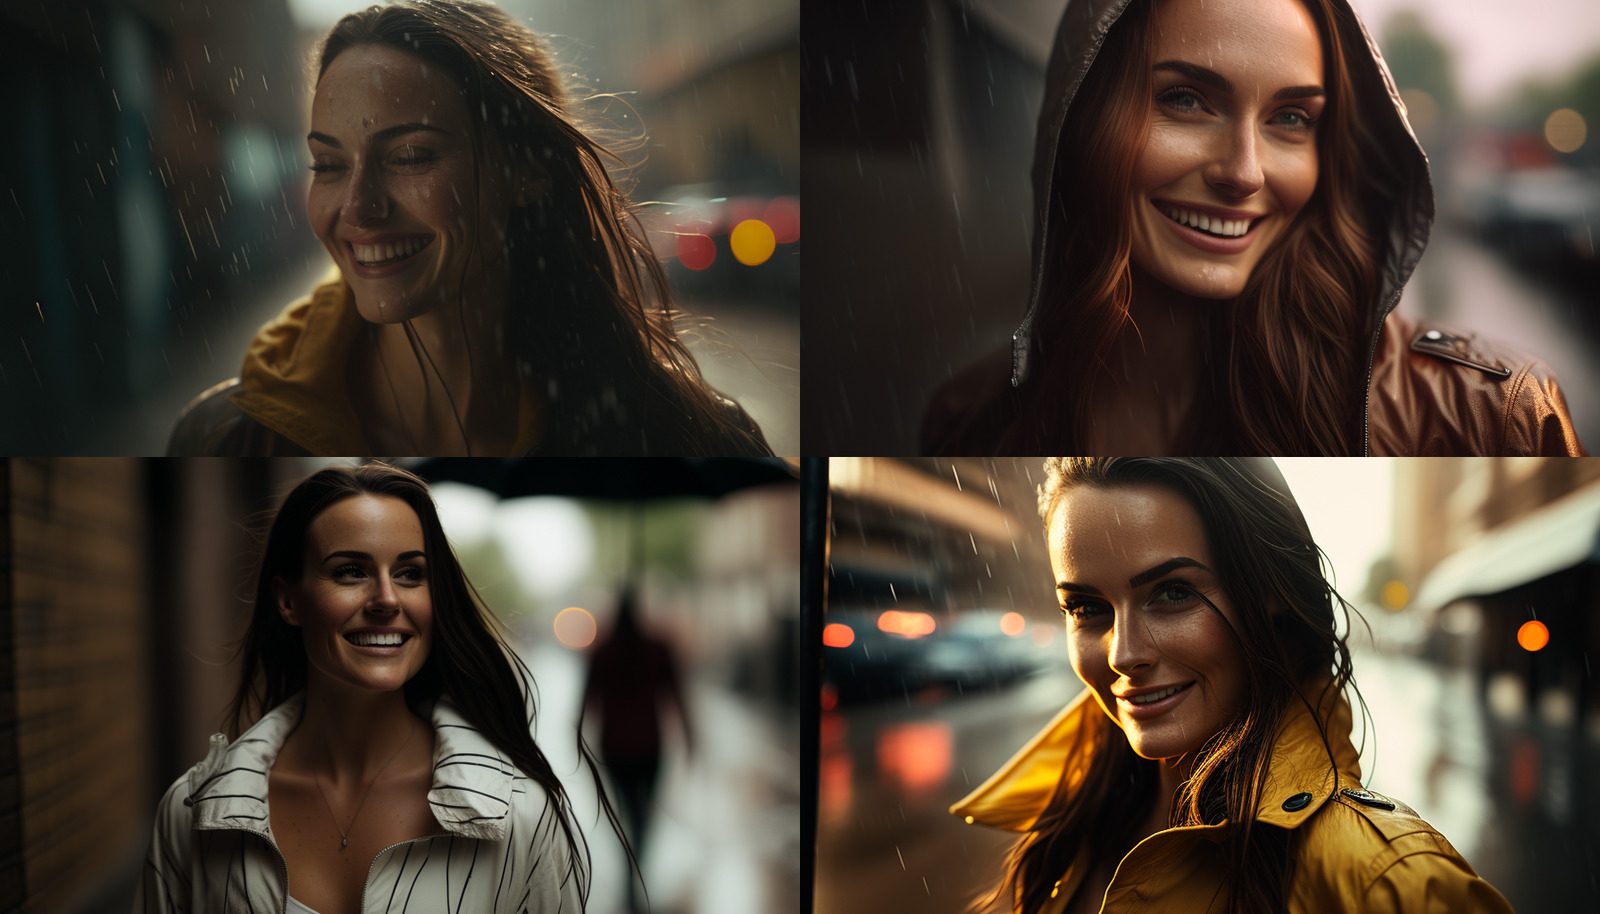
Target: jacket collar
column 293, row 377
column 1016, row 795
column 470, row 796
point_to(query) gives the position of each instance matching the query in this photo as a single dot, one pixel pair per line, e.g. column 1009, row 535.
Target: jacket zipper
column 368, row 881
column 283, row 864
column 1372, row 356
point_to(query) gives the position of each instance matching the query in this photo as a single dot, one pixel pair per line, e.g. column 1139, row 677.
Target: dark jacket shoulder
column 969, row 412
column 1438, row 391
column 213, row 426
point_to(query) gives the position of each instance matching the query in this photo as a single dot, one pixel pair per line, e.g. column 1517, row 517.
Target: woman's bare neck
column 347, row 736
column 442, row 383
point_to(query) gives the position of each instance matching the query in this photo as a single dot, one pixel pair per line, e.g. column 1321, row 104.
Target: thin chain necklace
column 344, row 834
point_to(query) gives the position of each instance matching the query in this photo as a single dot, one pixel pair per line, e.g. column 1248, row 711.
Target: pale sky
column 1349, row 505
column 1498, row 43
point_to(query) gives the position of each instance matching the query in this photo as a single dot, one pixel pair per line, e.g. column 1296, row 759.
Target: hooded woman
column 496, row 295
column 389, row 762
column 1228, row 203
column 1207, row 765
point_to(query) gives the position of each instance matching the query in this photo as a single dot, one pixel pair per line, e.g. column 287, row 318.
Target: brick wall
column 82, row 737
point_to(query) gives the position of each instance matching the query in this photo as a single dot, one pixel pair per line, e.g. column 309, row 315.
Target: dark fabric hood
column 1394, row 165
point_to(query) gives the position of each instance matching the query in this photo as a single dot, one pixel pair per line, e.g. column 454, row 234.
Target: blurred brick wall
column 83, row 736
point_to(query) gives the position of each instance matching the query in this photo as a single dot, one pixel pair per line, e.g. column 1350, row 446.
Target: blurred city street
column 1462, row 283
column 725, row 839
column 1514, row 792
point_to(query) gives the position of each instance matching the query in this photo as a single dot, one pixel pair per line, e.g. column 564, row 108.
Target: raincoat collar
column 293, row 379
column 470, row 796
column 1014, row 797
column 1393, row 164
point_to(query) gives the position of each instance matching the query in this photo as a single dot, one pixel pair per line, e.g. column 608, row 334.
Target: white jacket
column 502, row 851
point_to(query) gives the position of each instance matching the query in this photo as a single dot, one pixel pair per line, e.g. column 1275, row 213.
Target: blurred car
column 1519, row 198
column 870, row 655
column 729, row 239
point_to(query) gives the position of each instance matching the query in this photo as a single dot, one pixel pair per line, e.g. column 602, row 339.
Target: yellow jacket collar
column 293, row 379
column 1016, row 795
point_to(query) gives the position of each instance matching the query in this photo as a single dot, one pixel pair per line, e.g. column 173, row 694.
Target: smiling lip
column 1212, row 244
column 1154, row 708
column 368, row 271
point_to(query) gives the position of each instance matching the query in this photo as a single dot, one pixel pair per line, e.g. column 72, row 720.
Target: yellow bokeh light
column 574, row 628
column 1565, row 130
column 752, row 242
column 1395, row 595
column 1013, row 624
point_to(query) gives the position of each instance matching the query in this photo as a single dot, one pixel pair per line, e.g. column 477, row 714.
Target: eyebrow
column 1140, row 579
column 382, row 136
column 354, row 554
column 1217, row 81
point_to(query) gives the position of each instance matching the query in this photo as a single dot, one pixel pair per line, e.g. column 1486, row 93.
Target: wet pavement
column 726, row 834
column 1516, row 793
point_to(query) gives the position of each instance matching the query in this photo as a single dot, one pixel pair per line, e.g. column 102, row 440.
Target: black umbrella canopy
column 623, row 479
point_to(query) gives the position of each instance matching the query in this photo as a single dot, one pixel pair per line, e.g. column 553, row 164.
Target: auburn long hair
column 1271, row 570
column 589, row 319
column 468, row 658
column 1286, row 356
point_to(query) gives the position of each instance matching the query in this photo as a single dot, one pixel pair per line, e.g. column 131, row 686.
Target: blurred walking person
column 633, row 676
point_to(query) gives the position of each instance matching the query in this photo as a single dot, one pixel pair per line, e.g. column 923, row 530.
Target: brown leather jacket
column 1432, row 391
column 1435, row 392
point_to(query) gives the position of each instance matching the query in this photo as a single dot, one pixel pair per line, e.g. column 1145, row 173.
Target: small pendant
column 343, row 843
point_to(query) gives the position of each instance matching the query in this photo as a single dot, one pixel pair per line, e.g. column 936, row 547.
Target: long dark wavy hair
column 1286, row 355
column 1271, row 570
column 589, row 317
column 468, row 656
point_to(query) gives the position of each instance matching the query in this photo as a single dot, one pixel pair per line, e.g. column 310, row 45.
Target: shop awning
column 1557, row 536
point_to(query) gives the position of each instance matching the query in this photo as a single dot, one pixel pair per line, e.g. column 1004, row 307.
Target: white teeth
column 1232, row 228
column 1155, row 696
column 370, row 639
column 374, row 254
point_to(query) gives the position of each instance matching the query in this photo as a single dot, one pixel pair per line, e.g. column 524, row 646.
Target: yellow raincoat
column 1353, row 853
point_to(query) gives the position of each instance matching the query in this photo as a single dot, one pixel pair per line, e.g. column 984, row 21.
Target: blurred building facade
column 152, row 191
column 1517, row 539
column 123, row 590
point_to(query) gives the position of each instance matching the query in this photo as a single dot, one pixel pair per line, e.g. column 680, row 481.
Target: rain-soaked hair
column 1287, row 355
column 1266, row 562
column 589, row 314
column 468, row 657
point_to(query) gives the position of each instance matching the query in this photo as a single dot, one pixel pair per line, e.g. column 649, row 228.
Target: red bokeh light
column 783, row 214
column 696, row 251
column 838, row 634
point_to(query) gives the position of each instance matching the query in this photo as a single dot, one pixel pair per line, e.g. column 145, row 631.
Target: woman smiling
column 496, row 295
column 1228, row 203
column 1207, row 765
column 389, row 754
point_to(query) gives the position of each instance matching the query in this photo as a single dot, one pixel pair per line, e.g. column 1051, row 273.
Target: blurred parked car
column 734, row 239
column 870, row 655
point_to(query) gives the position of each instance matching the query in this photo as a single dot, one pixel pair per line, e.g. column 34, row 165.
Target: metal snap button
column 1433, row 335
column 1297, row 802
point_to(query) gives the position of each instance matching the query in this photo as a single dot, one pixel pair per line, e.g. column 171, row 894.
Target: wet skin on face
column 1132, row 570
column 365, row 566
column 1238, row 88
column 393, row 162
